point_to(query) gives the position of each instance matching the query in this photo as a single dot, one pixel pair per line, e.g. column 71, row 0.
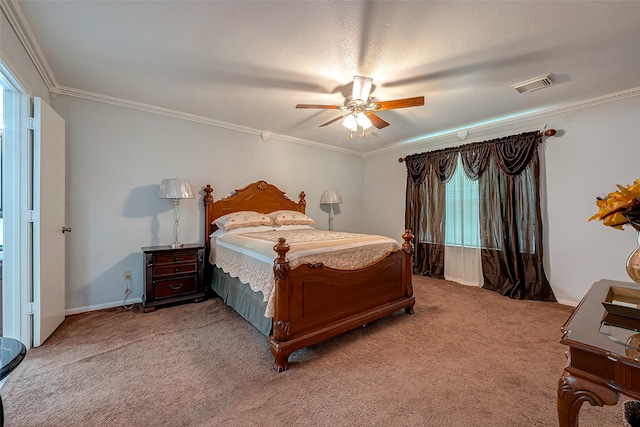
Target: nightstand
column 172, row 275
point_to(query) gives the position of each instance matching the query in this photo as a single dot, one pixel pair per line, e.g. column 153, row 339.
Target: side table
column 172, row 275
column 599, row 366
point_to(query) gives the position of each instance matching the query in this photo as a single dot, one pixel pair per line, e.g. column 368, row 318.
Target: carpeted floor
column 467, row 357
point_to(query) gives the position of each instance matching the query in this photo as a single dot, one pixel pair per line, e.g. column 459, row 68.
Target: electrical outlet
column 127, row 275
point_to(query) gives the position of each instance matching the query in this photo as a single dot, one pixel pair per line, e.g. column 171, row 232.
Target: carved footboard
column 314, row 302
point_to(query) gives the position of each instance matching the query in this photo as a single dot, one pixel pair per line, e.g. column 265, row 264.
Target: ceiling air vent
column 369, row 135
column 533, row 84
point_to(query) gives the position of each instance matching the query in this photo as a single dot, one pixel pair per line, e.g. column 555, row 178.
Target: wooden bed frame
column 314, row 302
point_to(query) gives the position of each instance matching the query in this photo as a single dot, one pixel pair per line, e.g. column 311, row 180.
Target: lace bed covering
column 249, row 257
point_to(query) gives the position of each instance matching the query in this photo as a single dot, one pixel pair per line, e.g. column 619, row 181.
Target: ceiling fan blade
column 324, row 107
column 400, row 103
column 361, row 88
column 330, row 121
column 376, row 121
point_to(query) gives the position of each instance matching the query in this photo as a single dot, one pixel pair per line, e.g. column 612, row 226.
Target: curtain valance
column 512, row 154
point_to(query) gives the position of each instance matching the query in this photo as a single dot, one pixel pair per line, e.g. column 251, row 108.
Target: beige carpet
column 467, row 357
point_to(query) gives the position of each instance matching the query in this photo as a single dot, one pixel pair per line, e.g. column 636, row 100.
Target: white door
column 49, row 220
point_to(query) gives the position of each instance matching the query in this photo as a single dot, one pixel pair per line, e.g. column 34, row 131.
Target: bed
column 309, row 301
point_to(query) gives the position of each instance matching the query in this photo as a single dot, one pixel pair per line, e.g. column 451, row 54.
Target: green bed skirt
column 241, row 298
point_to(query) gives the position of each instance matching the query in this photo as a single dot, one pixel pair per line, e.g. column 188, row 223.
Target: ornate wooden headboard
column 259, row 196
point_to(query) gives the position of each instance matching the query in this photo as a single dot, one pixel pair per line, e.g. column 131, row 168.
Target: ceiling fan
column 360, row 108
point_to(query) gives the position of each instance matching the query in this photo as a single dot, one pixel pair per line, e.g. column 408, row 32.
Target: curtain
column 507, row 170
column 425, row 207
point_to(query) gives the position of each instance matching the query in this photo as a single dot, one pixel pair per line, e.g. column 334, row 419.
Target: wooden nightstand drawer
column 176, row 257
column 172, row 270
column 175, row 287
column 172, row 275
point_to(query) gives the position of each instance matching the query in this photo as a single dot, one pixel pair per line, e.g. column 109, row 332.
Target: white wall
column 116, row 159
column 598, row 150
column 595, row 149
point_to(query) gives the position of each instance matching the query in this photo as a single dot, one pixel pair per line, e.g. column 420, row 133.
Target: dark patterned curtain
column 508, row 174
column 425, row 208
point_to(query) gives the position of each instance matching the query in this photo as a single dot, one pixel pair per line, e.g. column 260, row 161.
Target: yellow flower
column 632, row 191
column 615, row 220
column 620, row 207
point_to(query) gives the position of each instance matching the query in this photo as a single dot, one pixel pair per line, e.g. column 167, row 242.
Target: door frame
column 17, row 263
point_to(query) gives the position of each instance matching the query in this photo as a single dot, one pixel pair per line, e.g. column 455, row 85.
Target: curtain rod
column 548, row 132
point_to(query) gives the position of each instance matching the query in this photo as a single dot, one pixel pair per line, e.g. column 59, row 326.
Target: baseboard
column 567, row 302
column 78, row 310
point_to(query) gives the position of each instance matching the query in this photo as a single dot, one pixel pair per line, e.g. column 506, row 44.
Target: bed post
column 208, row 199
column 208, row 268
column 407, row 248
column 302, row 202
column 281, row 321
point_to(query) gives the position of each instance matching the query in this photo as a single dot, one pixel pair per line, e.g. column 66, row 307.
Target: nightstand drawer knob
column 175, row 288
column 176, row 269
column 176, row 259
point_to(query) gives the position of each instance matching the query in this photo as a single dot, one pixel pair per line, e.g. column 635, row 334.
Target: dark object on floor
column 11, row 354
column 631, row 413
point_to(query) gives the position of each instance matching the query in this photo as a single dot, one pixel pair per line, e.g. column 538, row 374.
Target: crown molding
column 83, row 94
column 315, row 144
column 20, row 25
column 441, row 137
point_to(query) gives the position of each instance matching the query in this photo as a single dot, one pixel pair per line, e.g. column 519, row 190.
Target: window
column 462, row 221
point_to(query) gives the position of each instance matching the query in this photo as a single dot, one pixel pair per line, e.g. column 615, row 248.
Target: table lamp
column 176, row 189
column 331, row 197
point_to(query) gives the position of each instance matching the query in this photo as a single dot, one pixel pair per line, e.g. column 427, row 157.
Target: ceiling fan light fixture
column 361, row 88
column 359, row 110
column 350, row 123
column 363, row 121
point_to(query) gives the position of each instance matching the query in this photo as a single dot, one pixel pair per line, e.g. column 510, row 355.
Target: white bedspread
column 250, row 256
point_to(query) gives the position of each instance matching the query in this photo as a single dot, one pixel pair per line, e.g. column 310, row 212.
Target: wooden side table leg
column 574, row 391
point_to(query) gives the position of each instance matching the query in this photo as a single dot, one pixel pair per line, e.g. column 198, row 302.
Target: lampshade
column 350, row 123
column 176, row 188
column 330, row 197
column 363, row 121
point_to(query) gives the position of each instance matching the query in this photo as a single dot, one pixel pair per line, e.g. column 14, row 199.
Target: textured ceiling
column 249, row 63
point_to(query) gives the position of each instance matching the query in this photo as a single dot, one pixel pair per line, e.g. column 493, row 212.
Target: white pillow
column 286, row 217
column 242, row 219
